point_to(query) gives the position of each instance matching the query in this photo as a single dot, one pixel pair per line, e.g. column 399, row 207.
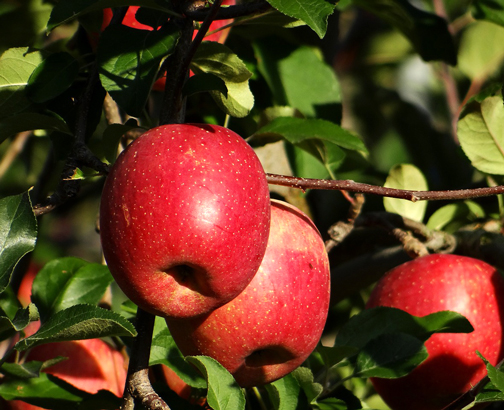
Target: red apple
column 185, row 218
column 131, row 21
column 444, row 282
column 275, row 323
column 92, row 365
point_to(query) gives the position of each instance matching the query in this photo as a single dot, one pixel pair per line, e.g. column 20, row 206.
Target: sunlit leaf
column 223, row 391
column 76, row 323
column 406, row 176
column 18, row 233
column 481, row 135
column 312, row 12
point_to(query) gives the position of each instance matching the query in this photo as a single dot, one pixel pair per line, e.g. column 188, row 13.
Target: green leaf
column 304, row 377
column 489, row 393
column 22, row 319
column 18, row 233
column 217, row 59
column 165, row 351
column 476, row 61
column 30, row 121
column 490, row 10
column 76, row 323
column 427, row 32
column 314, row 93
column 453, row 216
column 284, row 393
column 64, row 282
column 334, row 355
column 223, row 391
column 205, row 82
column 16, row 67
column 332, row 403
column 406, row 176
column 45, row 390
column 495, row 375
column 298, row 130
column 129, row 60
column 312, row 12
column 481, row 135
column 284, row 68
column 390, row 356
column 51, row 77
column 27, row 370
column 321, row 139
column 66, row 10
column 371, row 323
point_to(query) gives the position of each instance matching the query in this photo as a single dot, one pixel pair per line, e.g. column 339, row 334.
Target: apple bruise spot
column 268, row 356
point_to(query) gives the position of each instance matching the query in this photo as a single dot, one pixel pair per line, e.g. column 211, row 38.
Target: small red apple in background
column 276, row 322
column 435, row 283
column 184, row 218
column 131, row 21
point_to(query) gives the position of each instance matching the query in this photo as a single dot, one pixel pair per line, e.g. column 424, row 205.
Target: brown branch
column 358, row 187
column 80, row 155
column 138, row 386
column 231, row 12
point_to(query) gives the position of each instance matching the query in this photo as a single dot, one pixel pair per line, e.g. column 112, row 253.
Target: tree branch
column 352, row 186
column 231, row 12
column 138, row 386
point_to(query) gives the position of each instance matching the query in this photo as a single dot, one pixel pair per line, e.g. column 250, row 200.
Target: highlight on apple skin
column 185, row 218
column 434, row 283
column 276, row 322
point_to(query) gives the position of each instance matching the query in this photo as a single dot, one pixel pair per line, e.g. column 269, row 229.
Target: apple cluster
column 190, row 234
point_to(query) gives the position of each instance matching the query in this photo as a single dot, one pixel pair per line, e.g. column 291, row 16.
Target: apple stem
column 138, row 386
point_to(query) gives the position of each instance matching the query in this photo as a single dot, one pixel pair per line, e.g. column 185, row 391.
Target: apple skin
column 444, row 282
column 185, row 218
column 130, row 20
column 276, row 322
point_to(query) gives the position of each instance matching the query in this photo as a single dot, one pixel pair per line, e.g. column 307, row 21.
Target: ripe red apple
column 130, row 20
column 275, row 323
column 435, row 283
column 185, row 217
column 92, row 365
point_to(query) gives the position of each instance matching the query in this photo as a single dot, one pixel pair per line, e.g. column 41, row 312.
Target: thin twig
column 352, row 186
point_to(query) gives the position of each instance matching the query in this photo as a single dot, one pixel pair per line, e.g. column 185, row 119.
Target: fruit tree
column 251, row 204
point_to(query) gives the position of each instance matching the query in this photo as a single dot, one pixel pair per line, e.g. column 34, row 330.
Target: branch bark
column 358, row 187
column 138, row 387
